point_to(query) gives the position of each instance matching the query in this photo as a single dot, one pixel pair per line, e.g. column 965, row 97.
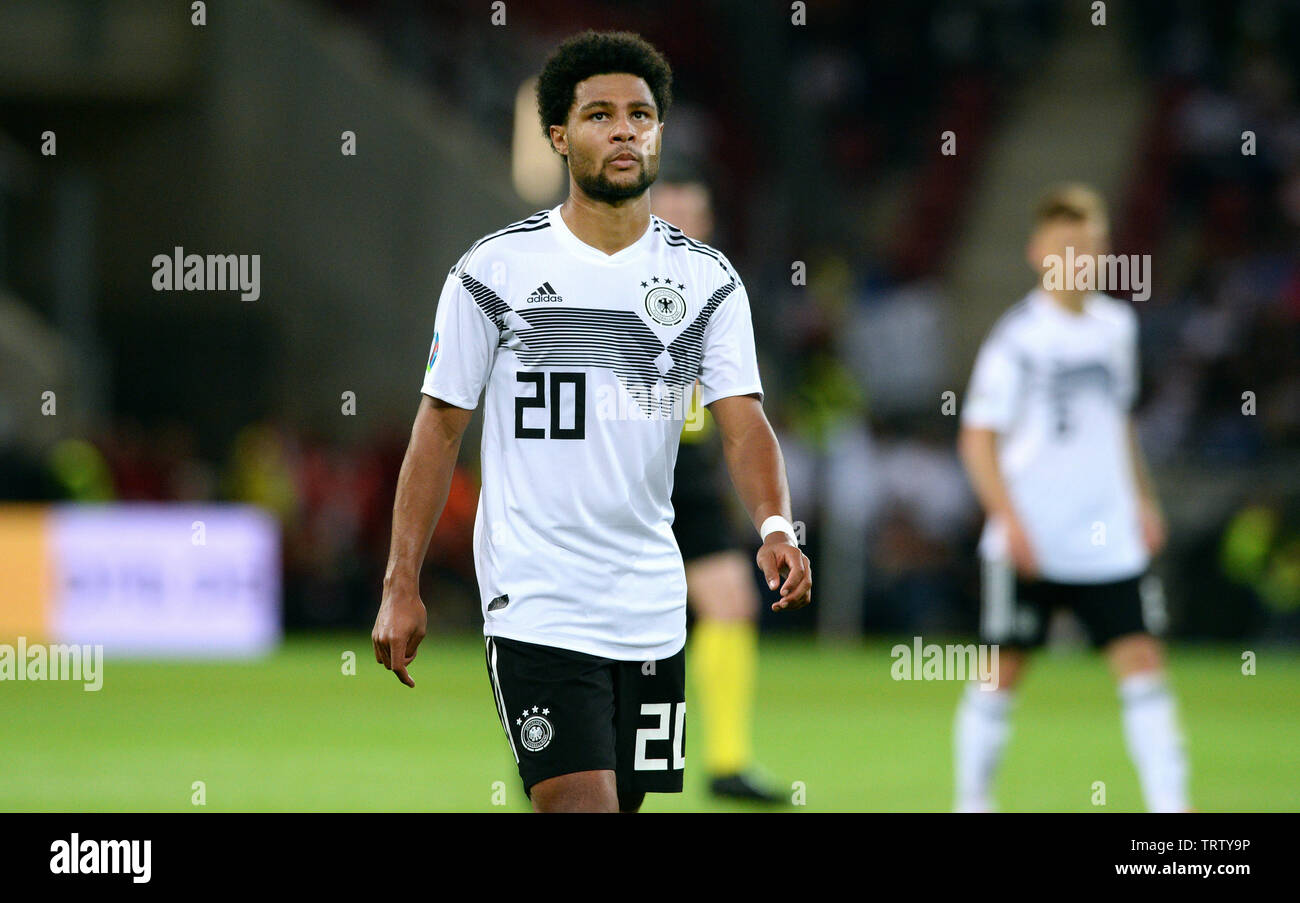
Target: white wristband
column 777, row 523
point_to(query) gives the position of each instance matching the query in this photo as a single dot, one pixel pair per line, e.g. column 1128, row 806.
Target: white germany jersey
column 586, row 358
column 1058, row 388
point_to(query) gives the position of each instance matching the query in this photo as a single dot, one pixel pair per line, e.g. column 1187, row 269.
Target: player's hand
column 399, row 628
column 780, row 558
column 1152, row 522
column 1020, row 549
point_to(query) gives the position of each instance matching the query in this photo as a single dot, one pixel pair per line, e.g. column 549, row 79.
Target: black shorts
column 700, row 515
column 1015, row 612
column 566, row 711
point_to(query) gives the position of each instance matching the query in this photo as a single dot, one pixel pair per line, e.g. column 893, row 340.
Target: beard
column 595, row 184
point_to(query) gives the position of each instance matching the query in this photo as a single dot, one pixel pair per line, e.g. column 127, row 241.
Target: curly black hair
column 599, row 53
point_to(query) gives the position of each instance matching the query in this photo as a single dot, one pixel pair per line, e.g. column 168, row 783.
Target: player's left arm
column 758, row 473
column 1150, row 517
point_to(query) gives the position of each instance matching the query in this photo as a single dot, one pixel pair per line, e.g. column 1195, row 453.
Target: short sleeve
column 730, row 364
column 464, row 343
column 995, row 387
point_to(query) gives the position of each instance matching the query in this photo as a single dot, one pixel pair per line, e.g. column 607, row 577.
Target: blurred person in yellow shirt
column 720, row 591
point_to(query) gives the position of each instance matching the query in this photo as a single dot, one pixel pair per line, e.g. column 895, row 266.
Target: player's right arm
column 991, row 407
column 978, row 447
column 464, row 345
column 422, row 488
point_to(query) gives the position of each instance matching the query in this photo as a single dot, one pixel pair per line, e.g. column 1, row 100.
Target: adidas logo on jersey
column 544, row 294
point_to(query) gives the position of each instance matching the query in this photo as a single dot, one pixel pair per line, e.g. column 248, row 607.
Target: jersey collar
column 579, row 248
column 1043, row 301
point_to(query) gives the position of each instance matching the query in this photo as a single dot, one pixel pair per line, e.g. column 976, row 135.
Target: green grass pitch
column 293, row 732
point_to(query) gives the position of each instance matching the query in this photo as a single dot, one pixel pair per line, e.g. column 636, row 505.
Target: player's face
column 1054, row 236
column 612, row 137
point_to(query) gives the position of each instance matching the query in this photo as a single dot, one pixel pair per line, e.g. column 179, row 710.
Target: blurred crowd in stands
column 857, row 366
column 1217, row 197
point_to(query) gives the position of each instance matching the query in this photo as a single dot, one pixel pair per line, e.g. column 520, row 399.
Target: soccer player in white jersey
column 583, row 328
column 1072, row 517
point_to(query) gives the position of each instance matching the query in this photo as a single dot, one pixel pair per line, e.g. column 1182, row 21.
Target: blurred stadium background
column 820, row 143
